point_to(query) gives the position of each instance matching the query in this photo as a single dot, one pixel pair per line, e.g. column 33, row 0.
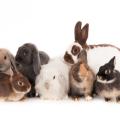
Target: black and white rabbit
column 82, row 78
column 97, row 55
column 28, row 61
column 107, row 85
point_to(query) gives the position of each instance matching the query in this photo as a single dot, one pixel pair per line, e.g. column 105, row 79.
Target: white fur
column 58, row 87
column 100, row 55
column 105, row 81
column 75, row 57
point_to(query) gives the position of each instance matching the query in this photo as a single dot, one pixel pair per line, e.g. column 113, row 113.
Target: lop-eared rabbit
column 29, row 61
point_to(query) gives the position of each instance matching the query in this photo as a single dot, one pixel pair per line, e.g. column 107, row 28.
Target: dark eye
column 75, row 50
column 107, row 71
column 5, row 57
column 20, row 83
column 53, row 77
column 25, row 53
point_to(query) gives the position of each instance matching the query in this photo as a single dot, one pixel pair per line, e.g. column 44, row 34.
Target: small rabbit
column 107, row 85
column 13, row 88
column 53, row 82
column 5, row 61
column 81, row 78
column 96, row 54
column 29, row 61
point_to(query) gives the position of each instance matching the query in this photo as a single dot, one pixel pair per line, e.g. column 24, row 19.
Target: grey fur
column 28, row 61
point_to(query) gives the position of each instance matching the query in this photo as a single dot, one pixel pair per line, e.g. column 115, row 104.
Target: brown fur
column 81, row 78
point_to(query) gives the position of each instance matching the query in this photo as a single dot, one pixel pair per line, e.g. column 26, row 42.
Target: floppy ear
column 12, row 60
column 36, row 61
column 77, row 31
column 84, row 34
column 112, row 62
column 83, row 56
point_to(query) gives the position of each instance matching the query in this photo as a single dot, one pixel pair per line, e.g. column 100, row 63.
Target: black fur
column 29, row 64
column 113, row 74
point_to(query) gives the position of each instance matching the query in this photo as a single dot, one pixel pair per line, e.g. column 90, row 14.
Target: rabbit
column 97, row 55
column 81, row 78
column 107, row 85
column 53, row 81
column 29, row 61
column 5, row 61
column 13, row 88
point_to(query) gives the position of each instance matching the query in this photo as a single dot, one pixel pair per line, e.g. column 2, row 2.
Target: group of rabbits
column 83, row 71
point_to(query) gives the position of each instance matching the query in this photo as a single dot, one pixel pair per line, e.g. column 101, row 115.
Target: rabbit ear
column 84, row 34
column 77, row 31
column 83, row 56
column 13, row 65
column 112, row 61
column 36, row 62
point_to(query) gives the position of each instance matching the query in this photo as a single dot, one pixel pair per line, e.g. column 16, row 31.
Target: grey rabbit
column 82, row 78
column 107, row 85
column 29, row 61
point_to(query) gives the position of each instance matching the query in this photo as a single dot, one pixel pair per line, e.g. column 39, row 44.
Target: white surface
column 50, row 25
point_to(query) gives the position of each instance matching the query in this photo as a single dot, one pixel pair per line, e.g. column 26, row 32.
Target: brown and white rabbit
column 81, row 78
column 15, row 87
column 5, row 61
column 97, row 55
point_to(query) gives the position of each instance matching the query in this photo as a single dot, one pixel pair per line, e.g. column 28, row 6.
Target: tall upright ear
column 36, row 61
column 84, row 34
column 112, row 62
column 77, row 31
column 83, row 56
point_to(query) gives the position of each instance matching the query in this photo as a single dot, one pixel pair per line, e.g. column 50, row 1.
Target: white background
column 50, row 25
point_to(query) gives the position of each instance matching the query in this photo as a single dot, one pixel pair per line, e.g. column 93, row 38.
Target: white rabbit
column 97, row 55
column 53, row 81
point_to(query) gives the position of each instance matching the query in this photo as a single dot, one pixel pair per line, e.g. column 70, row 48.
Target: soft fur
column 53, row 82
column 107, row 85
column 28, row 61
column 13, row 88
column 97, row 55
column 81, row 78
column 5, row 61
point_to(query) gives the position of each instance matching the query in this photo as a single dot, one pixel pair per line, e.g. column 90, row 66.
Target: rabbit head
column 5, row 60
column 81, row 35
column 20, row 83
column 28, row 55
column 106, row 72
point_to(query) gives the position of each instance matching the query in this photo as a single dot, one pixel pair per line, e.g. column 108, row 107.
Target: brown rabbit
column 81, row 78
column 13, row 88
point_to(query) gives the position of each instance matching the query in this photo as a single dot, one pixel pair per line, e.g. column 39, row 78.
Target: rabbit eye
column 20, row 83
column 75, row 50
column 53, row 77
column 5, row 57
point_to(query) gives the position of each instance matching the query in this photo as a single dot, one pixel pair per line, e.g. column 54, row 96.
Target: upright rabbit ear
column 84, row 34
column 36, row 61
column 83, row 56
column 77, row 31
column 112, row 62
